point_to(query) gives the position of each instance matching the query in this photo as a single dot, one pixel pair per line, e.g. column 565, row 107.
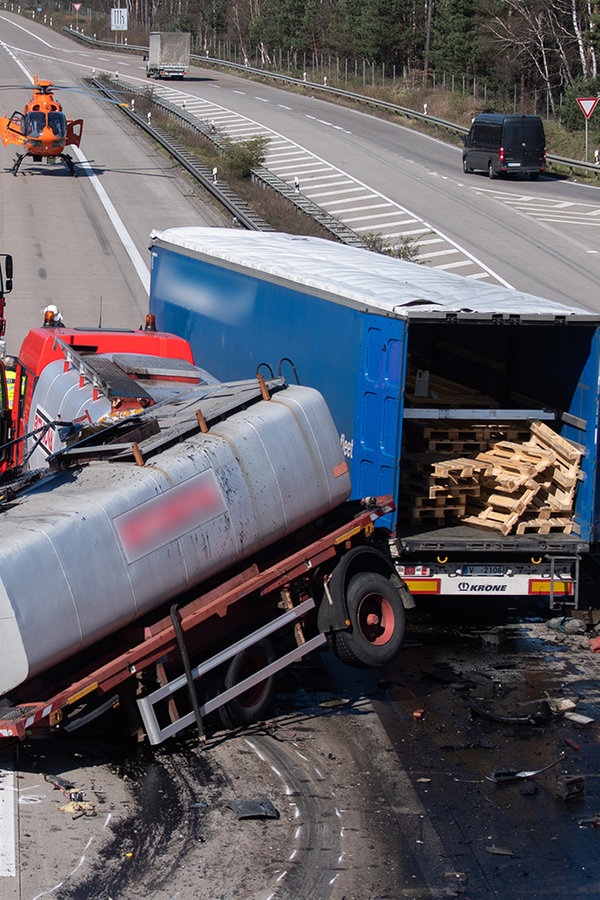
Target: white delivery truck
column 168, row 54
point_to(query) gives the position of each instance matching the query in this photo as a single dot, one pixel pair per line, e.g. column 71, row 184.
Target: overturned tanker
column 134, row 511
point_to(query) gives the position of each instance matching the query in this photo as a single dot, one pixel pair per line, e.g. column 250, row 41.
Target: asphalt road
column 82, row 242
column 375, row 798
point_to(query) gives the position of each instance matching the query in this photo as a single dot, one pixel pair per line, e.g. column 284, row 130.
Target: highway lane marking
column 218, row 113
column 141, row 268
column 8, row 868
column 317, row 164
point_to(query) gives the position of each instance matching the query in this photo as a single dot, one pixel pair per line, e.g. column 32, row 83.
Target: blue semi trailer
column 474, row 405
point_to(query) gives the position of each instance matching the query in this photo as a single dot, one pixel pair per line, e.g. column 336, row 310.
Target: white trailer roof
column 361, row 277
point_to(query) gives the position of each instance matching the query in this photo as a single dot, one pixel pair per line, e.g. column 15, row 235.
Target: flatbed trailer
column 205, row 653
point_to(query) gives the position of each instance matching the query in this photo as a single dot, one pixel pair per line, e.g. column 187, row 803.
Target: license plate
column 514, row 165
column 489, row 570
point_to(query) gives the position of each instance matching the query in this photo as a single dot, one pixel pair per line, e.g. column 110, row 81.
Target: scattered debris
column 513, row 775
column 594, row 820
column 578, row 718
column 499, row 851
column 567, row 625
column 61, row 784
column 535, row 713
column 572, row 744
column 253, row 809
column 594, row 644
column 418, row 714
column 560, row 705
column 79, row 808
column 569, row 787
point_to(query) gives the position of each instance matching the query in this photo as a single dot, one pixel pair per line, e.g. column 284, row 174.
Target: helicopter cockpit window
column 35, row 123
column 58, row 123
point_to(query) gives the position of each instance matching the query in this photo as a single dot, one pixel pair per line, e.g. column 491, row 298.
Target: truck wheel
column 377, row 621
column 491, row 172
column 466, row 169
column 253, row 703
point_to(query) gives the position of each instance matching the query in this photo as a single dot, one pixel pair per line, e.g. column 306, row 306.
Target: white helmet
column 56, row 313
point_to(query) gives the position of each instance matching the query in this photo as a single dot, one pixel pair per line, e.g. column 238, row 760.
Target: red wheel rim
column 376, row 619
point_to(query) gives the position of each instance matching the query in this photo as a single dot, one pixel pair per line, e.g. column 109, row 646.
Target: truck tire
column 377, row 620
column 251, row 705
column 491, row 172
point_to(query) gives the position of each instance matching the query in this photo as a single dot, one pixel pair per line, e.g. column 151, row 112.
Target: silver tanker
column 136, row 510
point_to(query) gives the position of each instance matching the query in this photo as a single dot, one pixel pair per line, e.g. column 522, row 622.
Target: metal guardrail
column 571, row 164
column 238, row 208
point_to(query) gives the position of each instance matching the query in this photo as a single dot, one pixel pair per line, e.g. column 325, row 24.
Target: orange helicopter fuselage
column 42, row 129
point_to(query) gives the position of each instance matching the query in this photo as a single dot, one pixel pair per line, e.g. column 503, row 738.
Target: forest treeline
column 527, row 45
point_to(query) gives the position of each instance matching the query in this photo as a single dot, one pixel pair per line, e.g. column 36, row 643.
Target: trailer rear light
column 414, row 571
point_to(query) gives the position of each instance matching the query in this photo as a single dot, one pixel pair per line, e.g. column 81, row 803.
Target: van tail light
column 501, row 154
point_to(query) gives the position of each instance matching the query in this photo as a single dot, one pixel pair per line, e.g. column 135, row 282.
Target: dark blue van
column 499, row 144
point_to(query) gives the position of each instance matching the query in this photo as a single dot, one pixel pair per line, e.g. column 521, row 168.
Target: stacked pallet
column 528, row 487
column 519, row 486
column 437, row 477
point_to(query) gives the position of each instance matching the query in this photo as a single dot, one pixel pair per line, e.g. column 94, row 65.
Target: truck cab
column 52, row 344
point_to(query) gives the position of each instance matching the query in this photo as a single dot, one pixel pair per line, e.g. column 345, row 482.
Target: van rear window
column 529, row 133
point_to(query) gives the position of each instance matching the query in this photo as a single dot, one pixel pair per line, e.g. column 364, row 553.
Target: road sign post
column 587, row 106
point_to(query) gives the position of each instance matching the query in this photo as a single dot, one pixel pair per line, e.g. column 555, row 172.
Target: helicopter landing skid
column 68, row 161
column 18, row 160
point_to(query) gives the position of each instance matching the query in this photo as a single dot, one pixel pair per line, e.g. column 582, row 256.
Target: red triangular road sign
column 588, row 105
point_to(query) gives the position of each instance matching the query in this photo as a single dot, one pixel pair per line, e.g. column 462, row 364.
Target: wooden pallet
column 541, row 525
column 524, row 487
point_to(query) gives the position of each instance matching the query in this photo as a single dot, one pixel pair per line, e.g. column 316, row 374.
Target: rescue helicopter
column 42, row 129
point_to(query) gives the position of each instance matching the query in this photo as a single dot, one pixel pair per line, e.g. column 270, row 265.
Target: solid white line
column 132, row 251
column 134, row 255
column 7, row 824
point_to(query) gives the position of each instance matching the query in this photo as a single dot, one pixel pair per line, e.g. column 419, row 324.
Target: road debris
column 537, row 712
column 65, row 786
column 567, row 625
column 578, row 718
column 593, row 821
column 79, row 808
column 594, row 644
column 253, row 809
column 499, row 851
column 502, row 775
column 569, row 787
